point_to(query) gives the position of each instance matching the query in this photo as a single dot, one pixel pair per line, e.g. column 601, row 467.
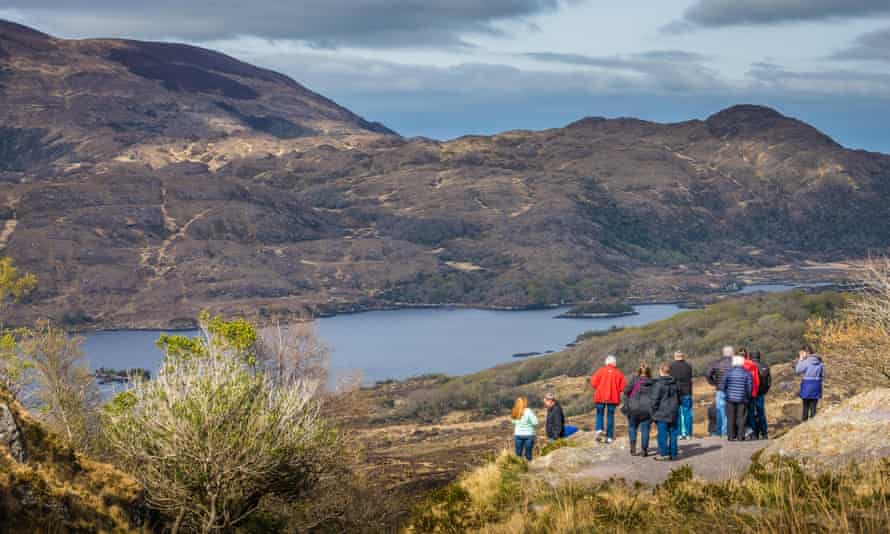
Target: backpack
column 766, row 379
column 639, row 403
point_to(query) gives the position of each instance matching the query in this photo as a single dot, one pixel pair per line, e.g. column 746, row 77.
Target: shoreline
column 688, row 303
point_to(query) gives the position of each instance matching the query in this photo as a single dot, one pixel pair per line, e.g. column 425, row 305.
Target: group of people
column 740, row 379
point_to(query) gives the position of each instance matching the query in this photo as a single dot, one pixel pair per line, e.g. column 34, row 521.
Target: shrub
column 215, row 432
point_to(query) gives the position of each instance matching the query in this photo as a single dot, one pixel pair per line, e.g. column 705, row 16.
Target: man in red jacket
column 608, row 382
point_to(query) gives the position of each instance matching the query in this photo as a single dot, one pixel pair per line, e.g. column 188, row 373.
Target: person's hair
column 665, row 368
column 644, row 370
column 679, row 355
column 610, row 360
column 549, row 396
column 518, row 407
column 738, row 361
column 728, row 350
column 806, row 348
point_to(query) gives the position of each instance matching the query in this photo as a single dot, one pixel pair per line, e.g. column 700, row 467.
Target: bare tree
column 66, row 393
column 857, row 346
column 293, row 350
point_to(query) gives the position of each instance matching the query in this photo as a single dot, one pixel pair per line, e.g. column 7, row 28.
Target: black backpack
column 639, row 405
column 766, row 378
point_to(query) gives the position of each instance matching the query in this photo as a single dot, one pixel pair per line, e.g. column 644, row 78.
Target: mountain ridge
column 139, row 199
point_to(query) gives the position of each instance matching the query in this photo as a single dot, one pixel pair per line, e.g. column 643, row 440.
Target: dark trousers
column 524, row 446
column 609, row 410
column 757, row 417
column 809, row 408
column 645, row 428
column 668, row 432
column 736, row 417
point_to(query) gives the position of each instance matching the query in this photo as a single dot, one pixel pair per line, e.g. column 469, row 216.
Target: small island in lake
column 599, row 310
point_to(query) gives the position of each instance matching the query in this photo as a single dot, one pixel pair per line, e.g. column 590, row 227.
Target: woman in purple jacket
column 809, row 365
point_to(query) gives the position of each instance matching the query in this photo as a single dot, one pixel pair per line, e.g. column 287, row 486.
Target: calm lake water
column 403, row 343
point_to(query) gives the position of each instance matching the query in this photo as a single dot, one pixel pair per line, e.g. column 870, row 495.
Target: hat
column 549, row 396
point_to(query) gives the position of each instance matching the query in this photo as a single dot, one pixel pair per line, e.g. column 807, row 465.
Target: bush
column 215, row 432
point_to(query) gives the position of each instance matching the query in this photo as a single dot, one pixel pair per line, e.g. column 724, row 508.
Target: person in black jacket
column 638, row 409
column 555, row 425
column 682, row 372
column 666, row 413
column 715, row 374
column 737, row 385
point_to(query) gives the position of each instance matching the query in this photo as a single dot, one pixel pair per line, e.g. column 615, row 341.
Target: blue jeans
column 757, row 416
column 720, row 403
column 645, row 427
column 524, row 446
column 610, row 419
column 686, row 415
column 667, row 438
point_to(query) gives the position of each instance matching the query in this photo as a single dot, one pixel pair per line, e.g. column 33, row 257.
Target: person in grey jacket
column 810, row 366
column 737, row 386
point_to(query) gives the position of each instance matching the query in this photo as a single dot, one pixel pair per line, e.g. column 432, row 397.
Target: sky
column 443, row 68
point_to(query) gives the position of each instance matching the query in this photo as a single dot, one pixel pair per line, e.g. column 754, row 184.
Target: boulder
column 10, row 434
column 856, row 430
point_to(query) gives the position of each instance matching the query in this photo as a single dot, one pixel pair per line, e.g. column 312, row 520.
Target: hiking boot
column 633, row 449
column 645, row 453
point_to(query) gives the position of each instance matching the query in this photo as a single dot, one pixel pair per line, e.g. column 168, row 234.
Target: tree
column 857, row 346
column 14, row 370
column 293, row 350
column 13, row 284
column 67, row 396
column 216, row 432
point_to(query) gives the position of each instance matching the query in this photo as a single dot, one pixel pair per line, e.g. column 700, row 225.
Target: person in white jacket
column 525, row 425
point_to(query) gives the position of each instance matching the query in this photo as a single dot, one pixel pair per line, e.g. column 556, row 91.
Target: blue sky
column 444, row 69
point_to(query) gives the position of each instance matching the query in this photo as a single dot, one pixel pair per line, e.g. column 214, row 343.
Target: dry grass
column 776, row 496
column 58, row 490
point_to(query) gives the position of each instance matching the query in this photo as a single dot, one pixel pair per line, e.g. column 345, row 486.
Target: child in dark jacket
column 737, row 386
column 666, row 413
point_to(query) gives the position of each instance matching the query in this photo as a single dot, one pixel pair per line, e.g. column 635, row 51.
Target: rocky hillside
column 144, row 181
column 47, row 487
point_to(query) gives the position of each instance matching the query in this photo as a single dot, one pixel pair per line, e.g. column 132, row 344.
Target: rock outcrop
column 586, row 461
column 11, row 434
column 856, row 430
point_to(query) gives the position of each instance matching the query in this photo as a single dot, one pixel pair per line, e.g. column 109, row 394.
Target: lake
column 403, row 343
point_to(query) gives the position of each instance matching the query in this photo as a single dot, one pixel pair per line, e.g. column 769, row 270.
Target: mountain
column 145, row 181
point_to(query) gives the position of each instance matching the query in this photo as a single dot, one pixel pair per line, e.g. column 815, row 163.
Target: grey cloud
column 872, row 46
column 768, row 76
column 665, row 70
column 719, row 13
column 324, row 23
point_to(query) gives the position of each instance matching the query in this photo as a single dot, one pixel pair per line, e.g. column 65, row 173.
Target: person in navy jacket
column 737, row 385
